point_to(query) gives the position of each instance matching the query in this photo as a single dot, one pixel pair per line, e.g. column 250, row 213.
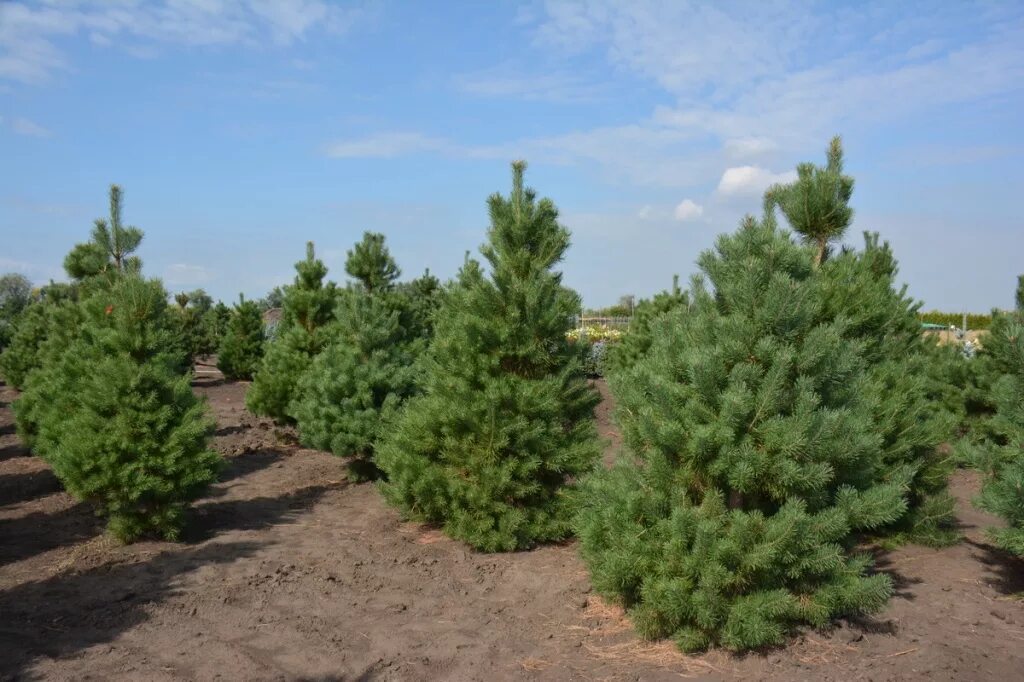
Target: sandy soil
column 291, row 573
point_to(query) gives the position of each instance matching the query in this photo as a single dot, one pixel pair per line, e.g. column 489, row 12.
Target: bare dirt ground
column 290, row 573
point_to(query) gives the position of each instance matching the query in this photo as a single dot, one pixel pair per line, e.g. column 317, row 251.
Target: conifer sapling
column 504, row 423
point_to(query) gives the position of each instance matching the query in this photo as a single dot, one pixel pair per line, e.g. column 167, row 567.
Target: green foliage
column 308, row 307
column 44, row 331
column 908, row 414
column 94, row 266
column 504, row 421
column 109, row 250
column 755, row 461
column 201, row 326
column 1002, row 459
column 817, row 203
column 638, row 338
column 242, row 347
column 114, row 414
column 353, row 389
column 15, row 297
column 273, row 299
column 370, row 263
column 974, row 320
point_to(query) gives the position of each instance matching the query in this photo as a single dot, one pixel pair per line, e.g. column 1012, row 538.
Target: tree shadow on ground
column 63, row 615
column 27, row 486
column 239, row 466
column 902, row 585
column 38, row 532
column 14, row 450
column 258, row 513
column 231, row 430
column 1006, row 570
column 7, row 429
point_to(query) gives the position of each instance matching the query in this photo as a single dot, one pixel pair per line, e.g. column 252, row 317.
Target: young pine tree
column 92, row 266
column 116, row 416
column 308, row 307
column 861, row 288
column 638, row 338
column 1002, row 459
column 755, row 460
column 504, row 424
column 242, row 346
column 353, row 389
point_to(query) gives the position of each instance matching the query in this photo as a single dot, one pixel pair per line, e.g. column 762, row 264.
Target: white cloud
column 187, row 275
column 28, row 52
column 750, row 180
column 23, row 126
column 746, row 147
column 558, row 86
column 688, row 210
column 387, row 146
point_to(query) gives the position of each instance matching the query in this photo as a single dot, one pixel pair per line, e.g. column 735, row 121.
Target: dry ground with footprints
column 288, row 572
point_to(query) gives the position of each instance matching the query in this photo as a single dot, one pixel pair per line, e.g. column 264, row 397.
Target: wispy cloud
column 388, row 145
column 29, row 128
column 28, row 31
column 184, row 274
column 505, row 82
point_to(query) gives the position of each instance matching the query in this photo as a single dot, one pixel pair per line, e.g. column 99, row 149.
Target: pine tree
column 638, row 338
column 504, row 423
column 907, row 403
column 353, row 389
column 1002, row 459
column 242, row 347
column 307, row 308
column 817, row 203
column 861, row 287
column 755, row 460
column 110, row 250
column 93, row 266
column 116, row 416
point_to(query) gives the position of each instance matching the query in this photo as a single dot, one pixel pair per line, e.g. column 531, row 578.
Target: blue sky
column 239, row 130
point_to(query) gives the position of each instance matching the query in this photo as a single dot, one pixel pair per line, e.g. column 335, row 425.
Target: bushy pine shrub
column 307, row 308
column 241, row 349
column 1002, row 458
column 907, row 405
column 860, row 287
column 504, row 423
column 755, row 460
column 637, row 340
column 116, row 418
column 352, row 390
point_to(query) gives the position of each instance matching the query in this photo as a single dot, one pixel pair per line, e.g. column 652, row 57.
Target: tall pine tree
column 755, row 460
column 505, row 420
column 308, row 307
